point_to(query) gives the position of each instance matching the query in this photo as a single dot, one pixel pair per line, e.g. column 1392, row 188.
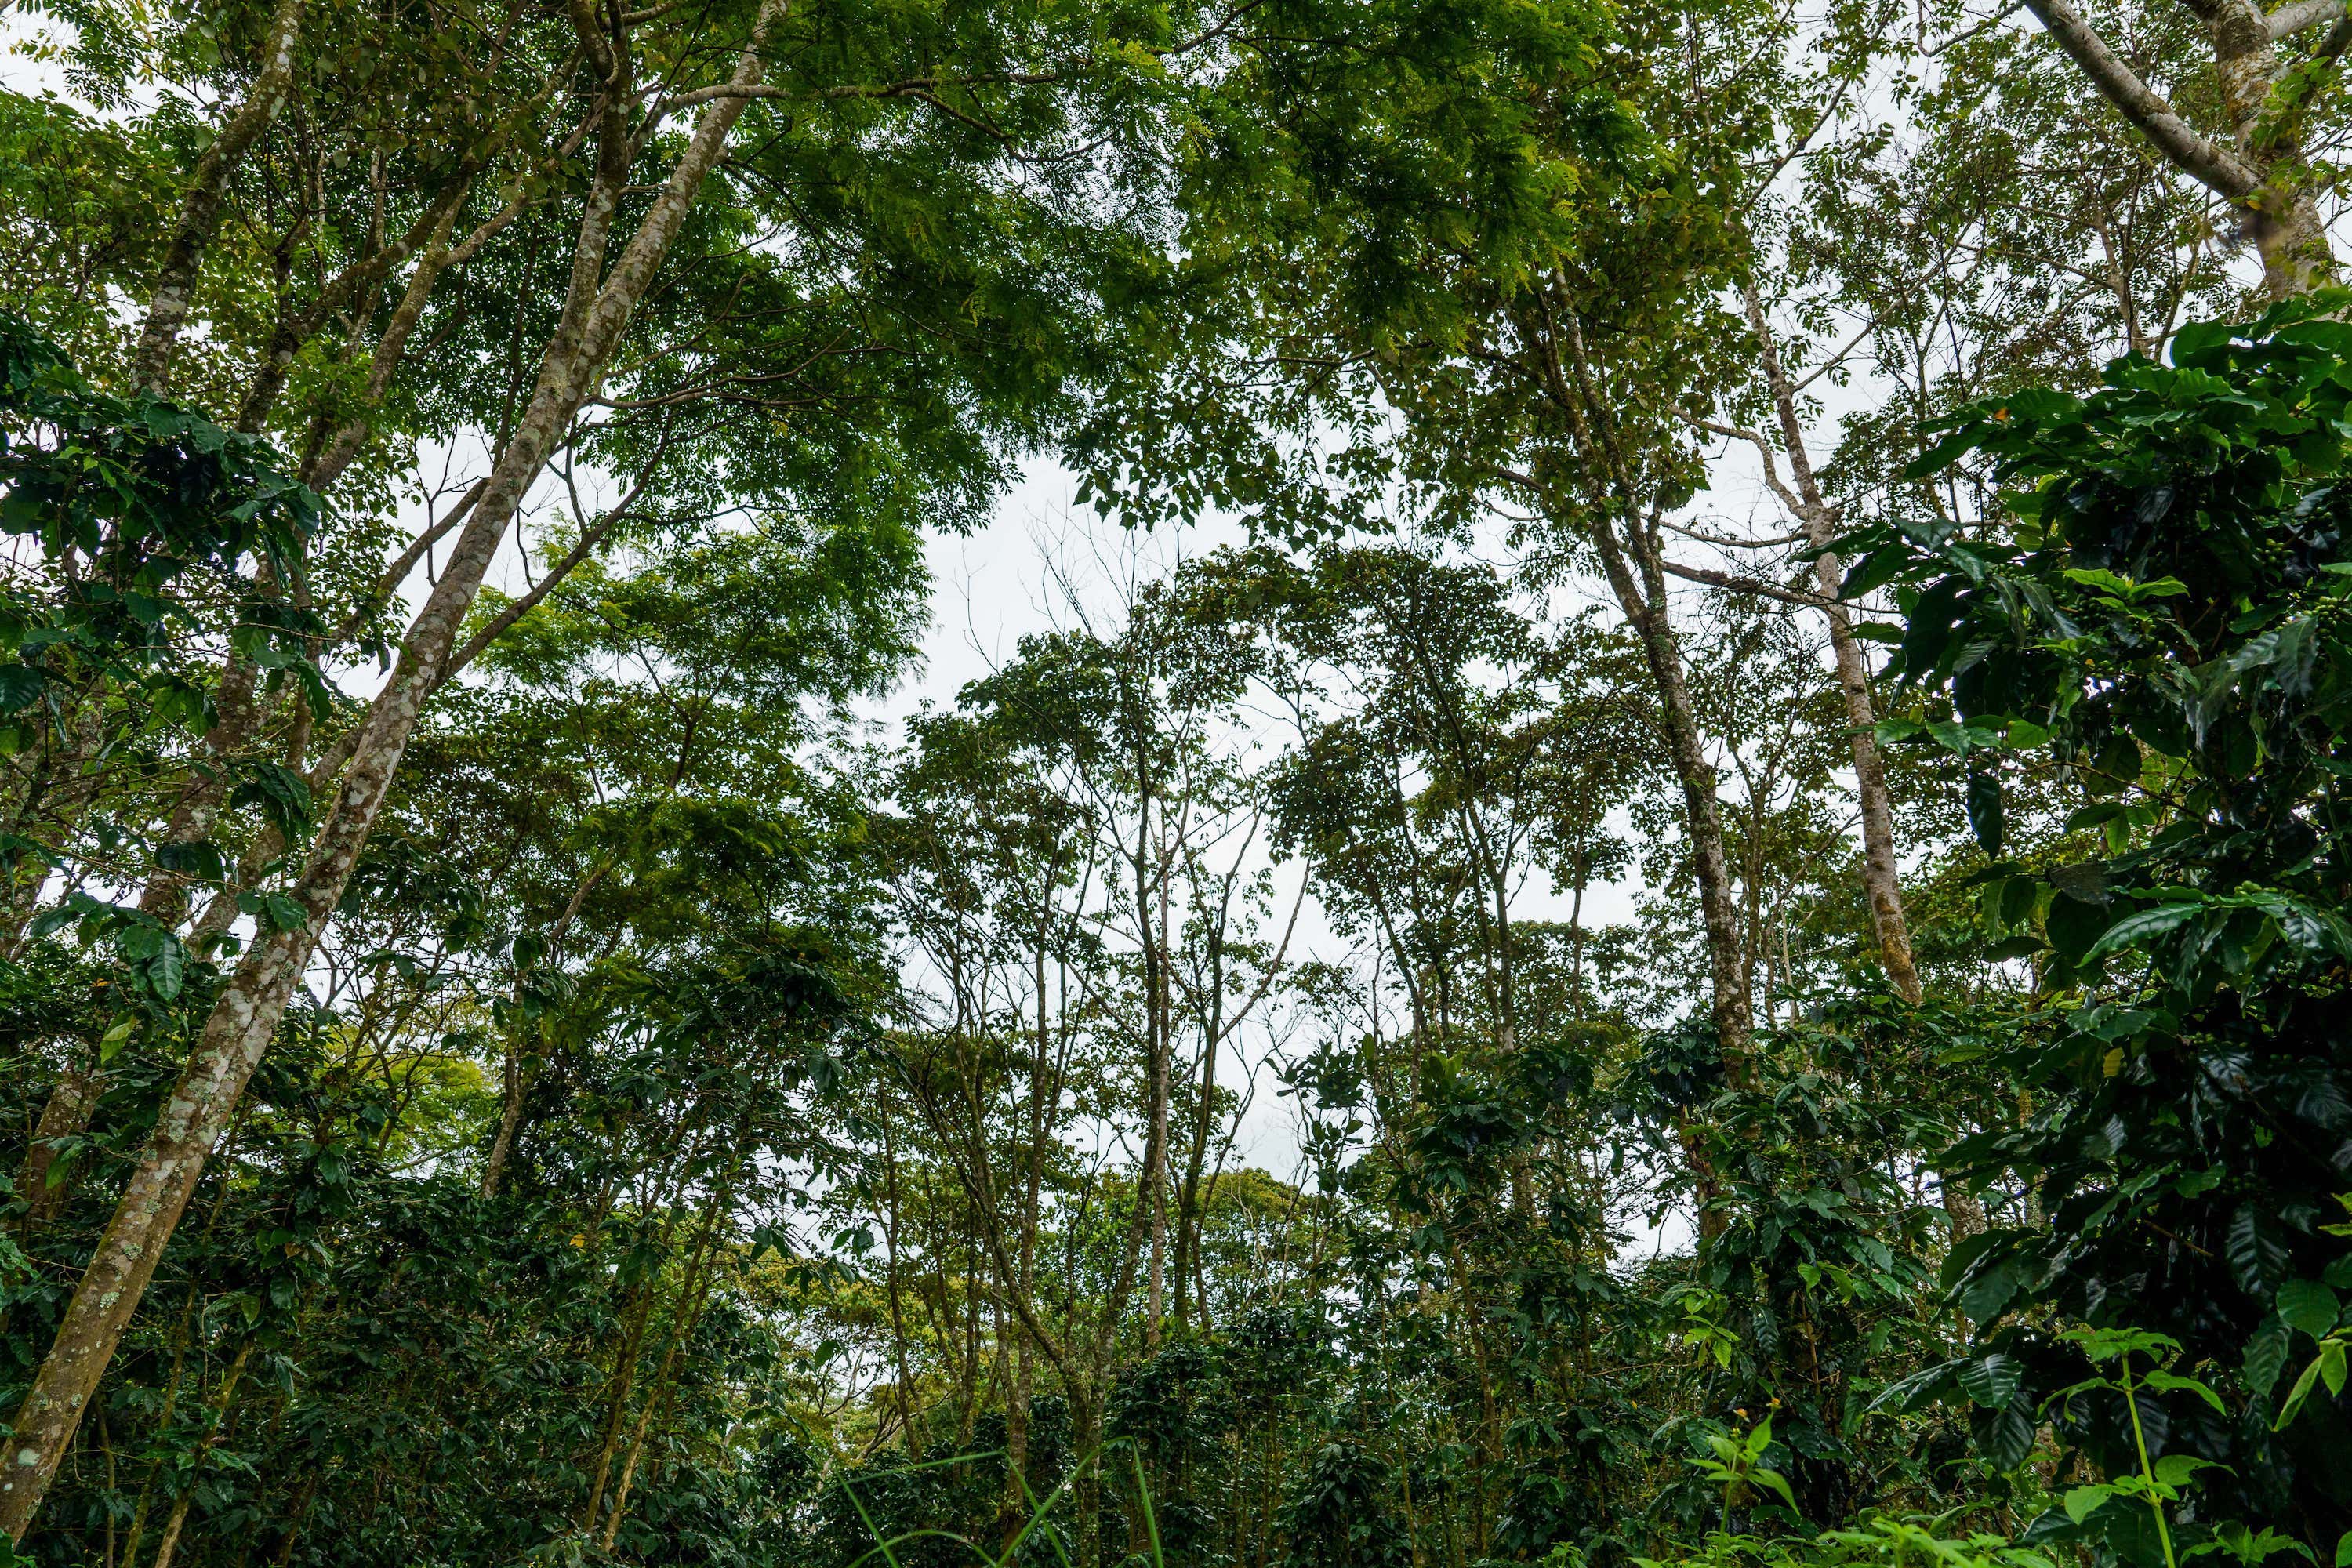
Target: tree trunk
column 2281, row 216
column 250, row 1004
column 220, row 1404
column 1151, row 926
column 65, row 1115
column 509, row 1118
column 1702, row 820
column 1881, row 878
column 200, row 210
column 2268, row 178
column 1644, row 602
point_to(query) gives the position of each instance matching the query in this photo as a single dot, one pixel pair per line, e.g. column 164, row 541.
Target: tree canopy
column 1662, row 881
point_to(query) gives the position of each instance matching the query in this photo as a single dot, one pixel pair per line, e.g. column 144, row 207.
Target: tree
column 516, row 105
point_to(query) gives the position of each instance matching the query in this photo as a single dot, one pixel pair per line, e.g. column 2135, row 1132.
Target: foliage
column 2158, row 613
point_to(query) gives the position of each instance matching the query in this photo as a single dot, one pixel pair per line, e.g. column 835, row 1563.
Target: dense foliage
column 1707, row 921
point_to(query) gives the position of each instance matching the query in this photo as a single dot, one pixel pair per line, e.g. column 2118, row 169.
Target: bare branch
column 1738, row 585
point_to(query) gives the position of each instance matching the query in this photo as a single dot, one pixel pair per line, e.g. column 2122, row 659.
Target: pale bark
column 509, row 1118
column 2214, row 167
column 200, row 209
column 1153, row 1191
column 2267, row 177
column 1881, row 877
column 1021, row 1285
column 250, row 1004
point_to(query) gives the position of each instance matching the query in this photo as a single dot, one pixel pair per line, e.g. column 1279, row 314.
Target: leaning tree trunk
column 249, row 1005
column 1881, row 880
column 200, row 209
column 2266, row 176
column 1632, row 562
column 1630, row 559
column 1881, row 876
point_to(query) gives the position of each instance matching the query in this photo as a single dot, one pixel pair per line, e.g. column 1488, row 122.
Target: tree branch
column 2210, row 166
column 1738, row 585
column 2302, row 16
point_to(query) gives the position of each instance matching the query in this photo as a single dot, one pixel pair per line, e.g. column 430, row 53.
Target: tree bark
column 1644, row 602
column 1882, row 879
column 509, row 1117
column 65, row 1115
column 200, row 209
column 220, row 1404
column 247, row 1013
column 2267, row 179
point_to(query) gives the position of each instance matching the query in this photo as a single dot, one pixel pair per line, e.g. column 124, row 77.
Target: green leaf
column 2082, row 1502
column 2295, row 1395
column 2173, row 1383
column 2257, row 1252
column 2308, row 1305
column 167, row 968
column 193, row 857
column 2005, row 1436
column 111, row 1042
column 1991, row 1381
column 282, row 795
column 20, row 686
column 1987, row 1292
column 1985, row 811
column 2204, row 344
column 2174, row 1470
column 2266, row 1354
column 1774, row 1480
column 2134, row 929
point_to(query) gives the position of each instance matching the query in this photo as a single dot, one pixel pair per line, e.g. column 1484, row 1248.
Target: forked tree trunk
column 249, row 1005
column 1882, row 880
column 200, row 210
column 2266, row 176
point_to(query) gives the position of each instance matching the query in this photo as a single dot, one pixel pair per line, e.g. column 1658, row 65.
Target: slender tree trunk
column 1088, row 1410
column 1024, row 1282
column 509, row 1118
column 1630, row 560
column 250, row 1004
column 693, row 1291
column 1155, row 1173
column 200, row 209
column 1881, row 876
column 65, row 1115
column 1882, row 879
column 74, row 1097
column 239, row 703
column 616, row 1409
column 220, row 1404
